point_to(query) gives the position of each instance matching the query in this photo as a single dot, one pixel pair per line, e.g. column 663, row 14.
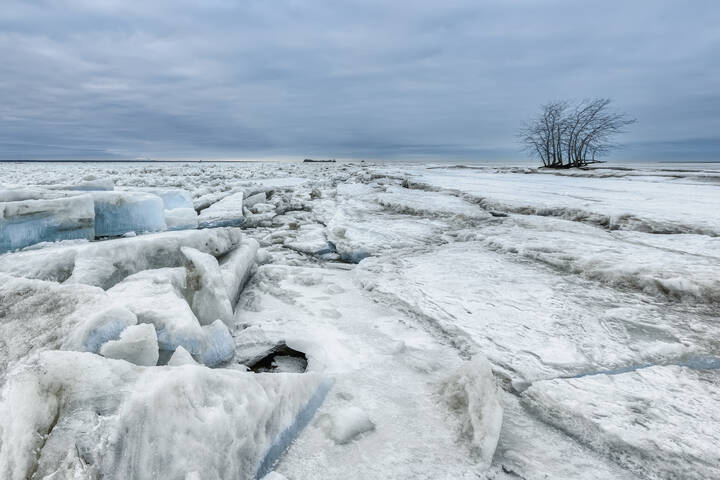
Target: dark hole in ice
column 498, row 214
column 280, row 359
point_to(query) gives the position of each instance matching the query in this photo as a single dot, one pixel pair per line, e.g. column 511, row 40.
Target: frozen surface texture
column 360, row 320
column 652, row 420
column 26, row 222
column 117, row 420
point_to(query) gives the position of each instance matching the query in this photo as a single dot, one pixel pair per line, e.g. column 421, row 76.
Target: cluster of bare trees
column 567, row 135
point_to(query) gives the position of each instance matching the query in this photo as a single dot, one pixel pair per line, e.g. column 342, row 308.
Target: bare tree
column 564, row 136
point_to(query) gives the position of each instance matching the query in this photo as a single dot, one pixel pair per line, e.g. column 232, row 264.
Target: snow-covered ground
column 355, row 321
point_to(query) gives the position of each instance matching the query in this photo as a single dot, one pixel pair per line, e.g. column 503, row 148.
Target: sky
column 357, row 79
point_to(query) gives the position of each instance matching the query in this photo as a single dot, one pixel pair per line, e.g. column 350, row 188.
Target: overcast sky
column 445, row 80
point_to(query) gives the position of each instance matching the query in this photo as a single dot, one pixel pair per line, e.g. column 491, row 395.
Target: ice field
column 357, row 321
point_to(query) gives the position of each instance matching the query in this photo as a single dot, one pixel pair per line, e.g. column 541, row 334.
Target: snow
column 409, row 321
column 26, row 222
column 137, row 344
column 119, row 212
column 227, row 212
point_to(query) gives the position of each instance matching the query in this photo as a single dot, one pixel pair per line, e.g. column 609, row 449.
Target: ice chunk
column 659, row 422
column 206, row 290
column 99, row 328
column 253, row 199
column 181, row 219
column 18, row 194
column 181, row 357
column 89, row 185
column 310, row 239
column 53, row 263
column 106, row 263
column 117, row 420
column 218, row 346
column 137, row 344
column 24, row 223
column 120, row 212
column 473, row 395
column 172, row 197
column 344, row 425
column 37, row 315
column 227, row 212
column 236, row 268
column 157, row 297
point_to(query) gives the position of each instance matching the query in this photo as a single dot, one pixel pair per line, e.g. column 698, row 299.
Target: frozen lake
column 359, row 320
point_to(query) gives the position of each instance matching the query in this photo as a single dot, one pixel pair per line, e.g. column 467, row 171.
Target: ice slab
column 88, row 185
column 24, row 223
column 655, row 205
column 117, row 213
column 206, row 291
column 137, row 344
column 117, row 420
column 106, row 263
column 358, row 231
column 679, row 267
column 660, row 422
column 527, row 320
column 237, row 266
column 429, row 204
column 227, row 212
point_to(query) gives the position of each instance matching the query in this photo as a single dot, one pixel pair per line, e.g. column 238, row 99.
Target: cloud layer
column 351, row 79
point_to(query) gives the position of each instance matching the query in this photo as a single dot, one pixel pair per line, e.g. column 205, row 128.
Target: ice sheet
column 24, row 223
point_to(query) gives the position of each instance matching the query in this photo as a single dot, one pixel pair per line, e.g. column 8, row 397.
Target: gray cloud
column 353, row 79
